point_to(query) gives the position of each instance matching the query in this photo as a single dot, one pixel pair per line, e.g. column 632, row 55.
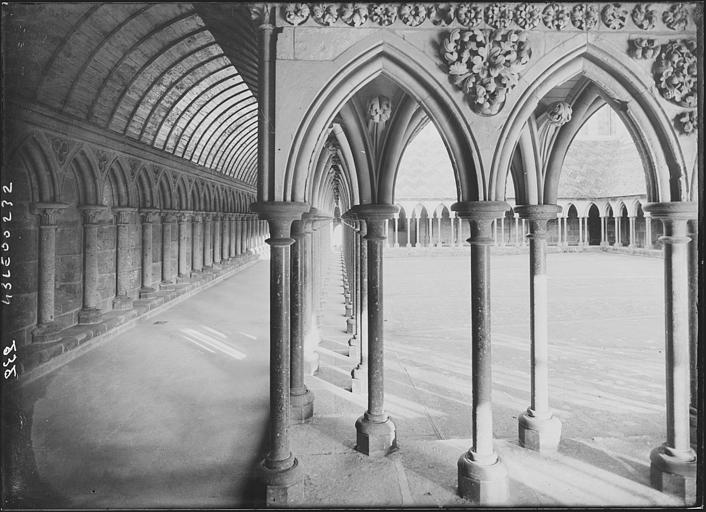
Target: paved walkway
column 173, row 412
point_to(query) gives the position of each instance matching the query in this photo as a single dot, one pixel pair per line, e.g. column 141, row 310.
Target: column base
column 396, row 245
column 122, row 302
column 350, row 324
column 89, row 316
column 348, row 311
column 166, row 286
column 359, row 379
column 375, row 439
column 302, row 406
column 483, row 484
column 147, row 293
column 354, row 350
column 311, row 363
column 46, row 333
column 278, row 480
column 183, row 279
column 539, row 434
column 675, row 475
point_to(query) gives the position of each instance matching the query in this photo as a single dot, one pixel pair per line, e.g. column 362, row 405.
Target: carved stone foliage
column 383, row 14
column 614, row 16
column 379, row 109
column 469, row 15
column 686, row 122
column 354, row 15
column 260, row 13
column 61, row 149
column 413, row 14
column 675, row 72
column 296, row 13
column 555, row 16
column 676, row 17
column 325, row 14
column 498, row 15
column 559, row 113
column 584, row 16
column 485, row 64
column 642, row 48
column 442, row 14
column 526, row 16
column 643, row 15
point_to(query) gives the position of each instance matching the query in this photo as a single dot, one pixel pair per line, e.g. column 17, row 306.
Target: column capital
column 148, row 215
column 92, row 212
column 543, row 212
column 196, row 216
column 676, row 210
column 280, row 215
column 123, row 214
column 374, row 212
column 184, row 216
column 168, row 216
column 480, row 210
column 207, row 216
column 47, row 212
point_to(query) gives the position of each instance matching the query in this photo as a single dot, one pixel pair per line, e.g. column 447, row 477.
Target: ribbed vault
column 154, row 73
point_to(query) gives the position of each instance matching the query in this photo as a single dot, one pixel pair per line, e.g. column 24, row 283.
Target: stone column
column 409, row 229
column 309, row 318
column 47, row 329
column 616, row 220
column 416, row 227
column 359, row 374
column 438, row 237
column 502, row 231
column 301, row 398
column 673, row 464
column 482, row 476
column 197, row 242
column 167, row 283
column 90, row 314
column 459, row 228
column 231, row 235
column 238, row 235
column 632, row 232
column 396, row 232
column 123, row 216
column 648, row 232
column 517, row 230
column 603, row 232
column 375, row 431
column 693, row 258
column 225, row 238
column 539, row 429
column 207, row 244
column 280, row 467
column 182, row 240
column 147, row 216
column 216, row 238
column 559, row 229
column 352, row 320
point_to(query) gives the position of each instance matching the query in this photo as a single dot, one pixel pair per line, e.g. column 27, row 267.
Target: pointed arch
column 38, row 168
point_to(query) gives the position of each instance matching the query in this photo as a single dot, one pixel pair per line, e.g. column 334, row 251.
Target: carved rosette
column 555, row 17
column 442, row 14
column 325, row 14
column 675, row 72
column 686, row 122
column 643, row 15
column 469, row 15
column 379, row 109
column 526, row 16
column 61, row 149
column 642, row 48
column 383, row 14
column 676, row 17
column 296, row 13
column 584, row 16
column 354, row 15
column 485, row 64
column 498, row 15
column 559, row 113
column 614, row 16
column 413, row 14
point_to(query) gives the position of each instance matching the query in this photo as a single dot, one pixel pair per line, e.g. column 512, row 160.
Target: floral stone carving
column 676, row 17
column 485, row 64
column 675, row 72
column 383, row 14
column 555, row 17
column 559, row 113
column 379, row 109
column 584, row 16
column 442, row 14
column 61, row 149
column 469, row 15
column 643, row 48
column 325, row 14
column 413, row 14
column 526, row 16
column 643, row 16
column 614, row 16
column 296, row 14
column 354, row 15
column 498, row 15
column 686, row 122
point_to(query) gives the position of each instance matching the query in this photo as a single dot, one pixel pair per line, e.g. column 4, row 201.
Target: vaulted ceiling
column 181, row 78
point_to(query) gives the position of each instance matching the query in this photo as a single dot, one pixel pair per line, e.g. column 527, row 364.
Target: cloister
column 153, row 150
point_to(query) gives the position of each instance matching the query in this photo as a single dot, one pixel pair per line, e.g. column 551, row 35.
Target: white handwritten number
column 7, row 189
column 9, row 349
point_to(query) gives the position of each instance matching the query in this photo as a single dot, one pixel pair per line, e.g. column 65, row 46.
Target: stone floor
column 172, row 413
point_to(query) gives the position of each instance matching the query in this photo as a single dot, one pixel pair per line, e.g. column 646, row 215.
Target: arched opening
column 624, row 226
column 594, row 225
column 610, row 226
column 572, row 226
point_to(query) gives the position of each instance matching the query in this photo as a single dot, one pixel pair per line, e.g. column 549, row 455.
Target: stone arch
column 182, row 195
column 35, row 167
column 388, row 54
column 145, row 191
column 164, row 193
column 646, row 121
column 84, row 167
column 119, row 183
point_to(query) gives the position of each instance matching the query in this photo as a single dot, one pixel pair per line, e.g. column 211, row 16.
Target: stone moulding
column 675, row 72
column 485, row 64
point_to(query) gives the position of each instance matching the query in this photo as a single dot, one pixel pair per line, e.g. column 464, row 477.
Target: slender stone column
column 207, row 244
column 524, row 232
column 673, row 464
column 148, row 216
column 693, row 257
column 309, row 318
column 438, row 232
column 123, row 216
column 301, row 398
column 225, row 238
column 417, row 242
column 183, row 273
column 359, row 374
column 459, row 229
column 47, row 329
column 648, row 232
column 216, row 238
column 352, row 321
column 90, row 314
column 517, row 230
column 238, row 234
column 632, row 232
column 196, row 240
column 168, row 219
column 502, row 231
column 409, row 230
column 375, row 431
column 539, row 429
column 603, row 232
column 396, row 232
column 482, row 476
column 280, row 467
column 616, row 221
column 231, row 235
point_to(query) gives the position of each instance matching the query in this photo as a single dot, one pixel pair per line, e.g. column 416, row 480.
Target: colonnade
column 482, row 476
column 205, row 240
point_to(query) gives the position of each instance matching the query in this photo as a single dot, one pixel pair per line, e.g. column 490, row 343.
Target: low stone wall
column 408, row 252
